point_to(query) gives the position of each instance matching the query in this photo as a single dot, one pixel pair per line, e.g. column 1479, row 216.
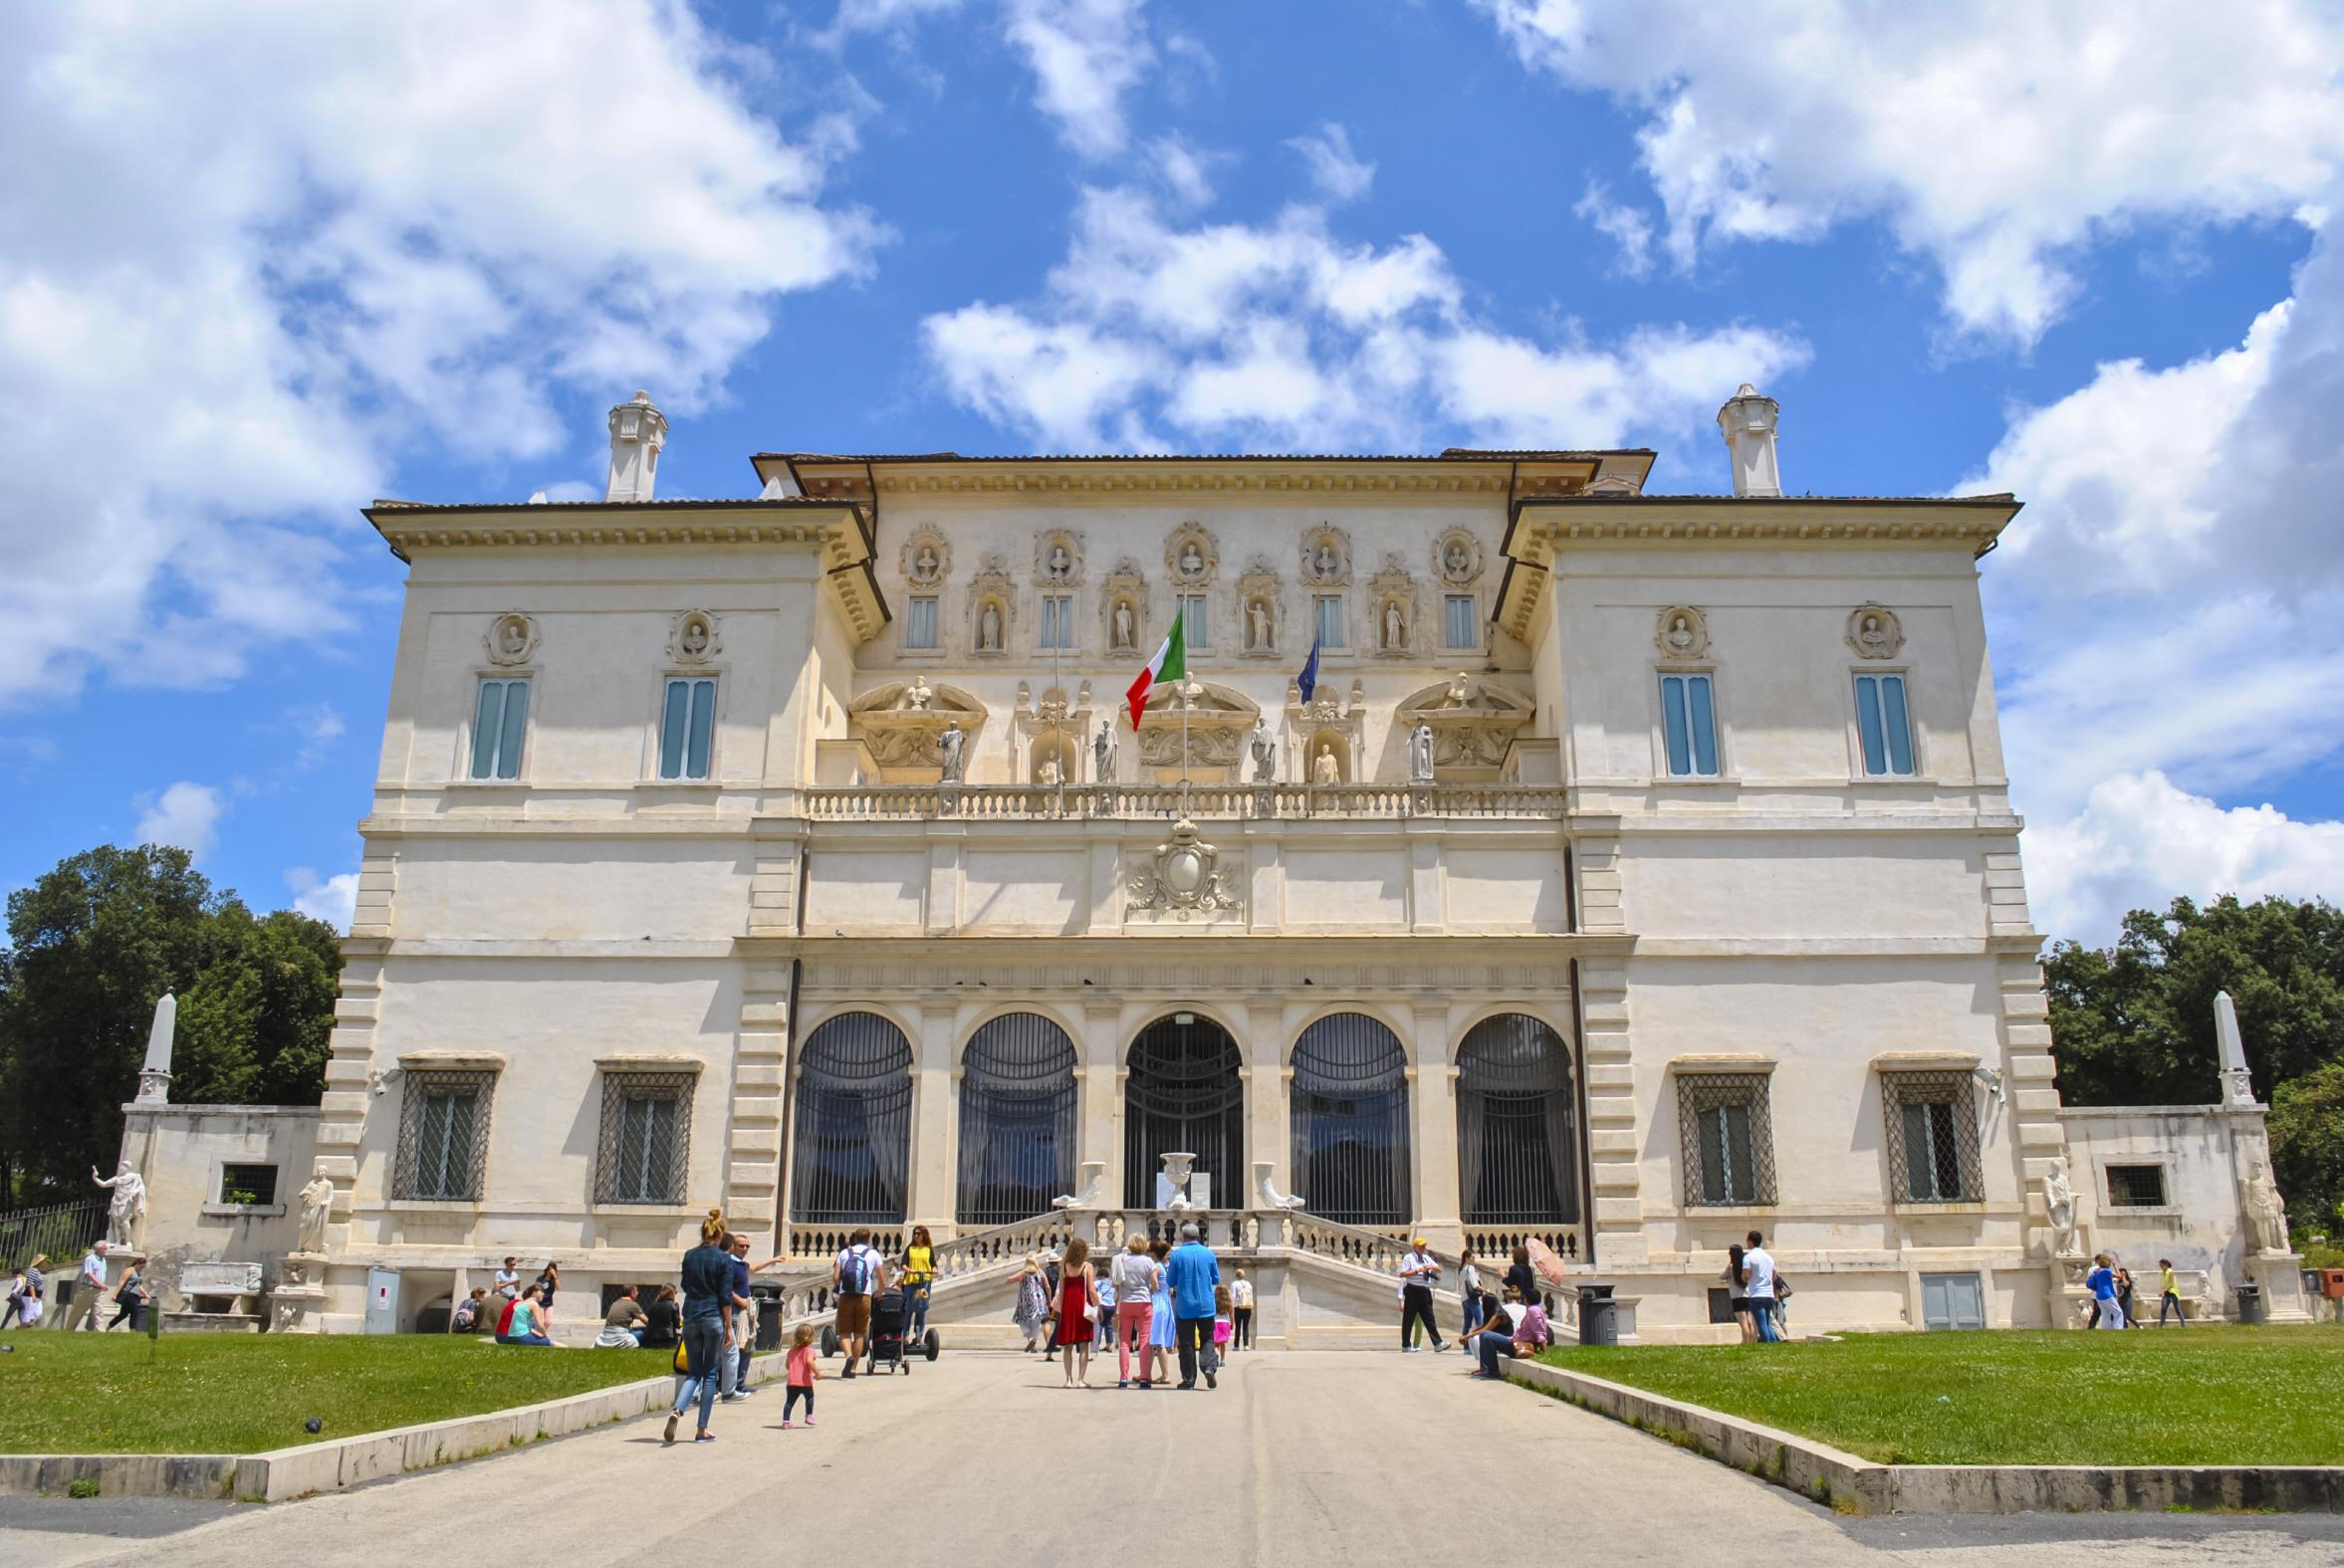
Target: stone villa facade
column 1638, row 870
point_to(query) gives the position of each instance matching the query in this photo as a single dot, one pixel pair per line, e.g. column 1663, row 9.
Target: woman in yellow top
column 2169, row 1296
column 919, row 1273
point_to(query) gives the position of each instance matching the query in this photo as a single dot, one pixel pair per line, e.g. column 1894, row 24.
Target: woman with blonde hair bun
column 712, row 1228
column 708, row 1326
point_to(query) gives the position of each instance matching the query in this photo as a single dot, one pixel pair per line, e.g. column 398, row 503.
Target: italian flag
column 1169, row 664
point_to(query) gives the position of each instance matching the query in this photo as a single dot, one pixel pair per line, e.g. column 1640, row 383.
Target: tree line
column 92, row 945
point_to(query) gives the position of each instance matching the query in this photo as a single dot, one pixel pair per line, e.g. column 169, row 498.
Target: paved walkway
column 981, row 1458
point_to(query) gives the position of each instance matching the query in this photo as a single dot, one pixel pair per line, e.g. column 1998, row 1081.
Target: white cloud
column 1084, row 55
column 186, row 816
column 2140, row 842
column 2164, row 613
column 1280, row 336
column 331, row 899
column 1186, row 171
column 254, row 254
column 1627, row 227
column 1340, row 174
column 1996, row 138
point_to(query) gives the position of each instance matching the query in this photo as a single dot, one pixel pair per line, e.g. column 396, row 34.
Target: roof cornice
column 1269, row 476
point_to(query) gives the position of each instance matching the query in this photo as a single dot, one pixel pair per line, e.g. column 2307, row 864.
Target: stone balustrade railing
column 1209, row 802
column 1493, row 1245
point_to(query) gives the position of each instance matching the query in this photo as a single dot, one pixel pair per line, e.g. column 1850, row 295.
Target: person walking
column 1135, row 1277
column 1419, row 1272
column 853, row 1276
column 1224, row 1331
column 24, row 1294
column 734, row 1376
column 1241, row 1312
column 708, row 1324
column 2124, row 1297
column 1757, row 1285
column 1077, row 1311
column 131, row 1298
column 919, row 1275
column 1193, row 1275
column 2168, row 1295
column 1031, row 1312
column 89, row 1289
column 2101, row 1281
column 804, row 1372
column 1468, row 1289
column 1163, row 1336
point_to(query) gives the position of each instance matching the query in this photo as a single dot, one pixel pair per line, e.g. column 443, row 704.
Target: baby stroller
column 889, row 1340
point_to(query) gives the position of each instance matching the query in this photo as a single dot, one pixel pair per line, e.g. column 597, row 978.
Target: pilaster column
column 1432, row 1130
column 1615, row 1207
column 935, row 1106
column 1100, row 1137
column 1269, row 1092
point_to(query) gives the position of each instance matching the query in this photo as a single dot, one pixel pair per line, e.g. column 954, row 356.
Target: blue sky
column 257, row 269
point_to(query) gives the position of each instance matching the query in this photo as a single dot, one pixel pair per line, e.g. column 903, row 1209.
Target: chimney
column 637, row 432
column 1747, row 421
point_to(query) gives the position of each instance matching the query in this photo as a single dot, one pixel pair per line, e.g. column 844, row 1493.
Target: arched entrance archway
column 1183, row 1092
column 1518, row 1157
column 852, row 1133
column 1016, row 1120
column 1351, row 1121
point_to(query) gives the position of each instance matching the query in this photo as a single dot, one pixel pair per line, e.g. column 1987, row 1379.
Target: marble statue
column 1192, row 560
column 2059, row 1202
column 1460, row 693
column 512, row 638
column 1258, row 615
column 1094, row 1174
column 989, row 628
column 1325, row 768
column 127, row 1209
column 916, row 697
column 951, row 743
column 1265, row 752
column 1051, row 774
column 695, row 637
column 1122, row 624
column 1420, row 754
column 1457, row 557
column 923, row 566
column 2266, row 1214
column 1267, row 1190
column 317, row 1202
column 1326, row 561
column 1061, row 562
column 1103, row 752
column 1680, row 634
column 1395, row 627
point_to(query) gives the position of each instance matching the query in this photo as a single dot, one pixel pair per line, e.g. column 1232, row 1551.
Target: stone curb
column 284, row 1473
column 1858, row 1485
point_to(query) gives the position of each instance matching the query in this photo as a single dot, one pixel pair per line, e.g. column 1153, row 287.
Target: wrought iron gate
column 1518, row 1160
column 1351, row 1121
column 1016, row 1120
column 853, row 1135
column 1183, row 1092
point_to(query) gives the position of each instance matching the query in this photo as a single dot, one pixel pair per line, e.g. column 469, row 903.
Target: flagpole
column 1184, row 690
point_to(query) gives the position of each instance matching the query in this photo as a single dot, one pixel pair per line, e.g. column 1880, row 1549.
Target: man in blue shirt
column 1192, row 1273
column 736, row 1360
column 708, row 1326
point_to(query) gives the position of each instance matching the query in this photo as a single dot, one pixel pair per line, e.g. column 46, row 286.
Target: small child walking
column 803, row 1371
column 1223, row 1321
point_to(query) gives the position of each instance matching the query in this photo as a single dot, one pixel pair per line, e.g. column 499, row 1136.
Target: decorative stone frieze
column 901, row 723
column 1473, row 720
column 1217, row 722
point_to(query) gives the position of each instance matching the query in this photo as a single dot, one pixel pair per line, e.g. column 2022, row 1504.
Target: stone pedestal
column 297, row 1305
column 2281, row 1276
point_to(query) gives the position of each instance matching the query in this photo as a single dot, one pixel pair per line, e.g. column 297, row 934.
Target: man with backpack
column 853, row 1279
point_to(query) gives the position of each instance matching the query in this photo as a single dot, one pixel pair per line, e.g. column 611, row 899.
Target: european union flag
column 1308, row 681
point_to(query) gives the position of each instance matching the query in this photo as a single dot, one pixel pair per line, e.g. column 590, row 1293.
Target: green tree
column 2307, row 1148
column 92, row 945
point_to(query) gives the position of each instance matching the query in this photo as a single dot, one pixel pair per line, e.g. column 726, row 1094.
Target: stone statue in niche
column 1325, row 768
column 1456, row 559
column 1061, row 562
column 695, row 642
column 952, row 744
column 989, row 628
column 924, row 564
column 1874, row 632
column 1395, row 625
column 1322, row 559
column 1123, row 627
column 2266, row 1212
column 511, row 638
column 1260, row 634
column 1680, row 635
column 1192, row 561
column 1265, row 752
column 2059, row 1204
column 1420, row 754
column 1103, row 752
column 1050, row 774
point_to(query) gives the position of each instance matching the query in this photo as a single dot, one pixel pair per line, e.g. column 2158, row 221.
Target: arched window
column 1016, row 1120
column 1351, row 1121
column 1183, row 1094
column 851, row 1140
column 1517, row 1159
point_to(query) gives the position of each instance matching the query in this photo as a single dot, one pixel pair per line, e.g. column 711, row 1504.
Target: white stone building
column 1640, row 871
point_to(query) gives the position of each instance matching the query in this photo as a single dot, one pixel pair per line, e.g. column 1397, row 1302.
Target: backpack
column 855, row 1272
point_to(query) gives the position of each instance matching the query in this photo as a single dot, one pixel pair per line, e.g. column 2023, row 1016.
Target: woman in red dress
column 1077, row 1309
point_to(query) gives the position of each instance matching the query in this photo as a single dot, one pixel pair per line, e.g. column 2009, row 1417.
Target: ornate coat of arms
column 1183, row 876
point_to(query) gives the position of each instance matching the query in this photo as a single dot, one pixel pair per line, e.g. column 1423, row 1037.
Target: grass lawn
column 2199, row 1396
column 246, row 1393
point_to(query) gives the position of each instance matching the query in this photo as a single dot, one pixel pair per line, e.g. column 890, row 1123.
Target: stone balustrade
column 1214, row 801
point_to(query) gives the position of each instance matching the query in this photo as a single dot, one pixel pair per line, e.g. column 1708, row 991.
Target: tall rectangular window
column 1328, row 607
column 1883, row 725
column 647, row 1125
column 1195, row 632
column 1726, row 1125
column 1058, row 622
column 1932, row 1137
column 920, row 623
column 1460, row 624
column 443, row 1135
column 498, row 725
column 687, row 728
column 1688, row 726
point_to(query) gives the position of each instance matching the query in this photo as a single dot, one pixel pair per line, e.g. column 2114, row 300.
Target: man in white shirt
column 89, row 1289
column 1419, row 1272
column 1757, row 1285
column 854, row 1278
column 508, row 1282
column 1241, row 1312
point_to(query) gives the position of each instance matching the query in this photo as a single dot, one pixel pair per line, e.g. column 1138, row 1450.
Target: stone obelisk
column 2237, row 1089
column 154, row 1079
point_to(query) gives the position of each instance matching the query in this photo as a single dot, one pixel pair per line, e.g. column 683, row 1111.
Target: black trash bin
column 1599, row 1316
column 769, row 1316
column 2251, row 1304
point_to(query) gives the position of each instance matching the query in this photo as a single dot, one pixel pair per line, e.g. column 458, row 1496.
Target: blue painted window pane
column 487, row 724
column 703, row 728
column 1672, row 715
column 516, row 721
column 1898, row 725
column 672, row 727
column 1704, row 728
column 1460, row 630
column 919, row 630
column 1868, row 725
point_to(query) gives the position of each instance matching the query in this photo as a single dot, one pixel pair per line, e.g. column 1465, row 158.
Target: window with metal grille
column 1351, row 1121
column 687, row 728
column 2136, row 1187
column 1932, row 1137
column 1016, row 1120
column 1727, row 1123
column 1518, row 1160
column 645, row 1153
column 499, row 723
column 1183, row 1094
column 852, row 1137
column 1329, row 608
column 443, row 1135
column 1460, row 627
column 248, row 1183
column 919, row 626
column 1688, row 726
column 1883, row 727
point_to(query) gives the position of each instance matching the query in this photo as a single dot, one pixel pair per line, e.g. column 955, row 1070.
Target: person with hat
column 1419, row 1272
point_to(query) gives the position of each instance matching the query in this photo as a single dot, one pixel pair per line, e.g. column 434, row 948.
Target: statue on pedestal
column 2059, row 1202
column 1103, row 752
column 127, row 1209
column 951, row 744
column 317, row 1202
column 1420, row 754
column 1264, row 752
column 2266, row 1214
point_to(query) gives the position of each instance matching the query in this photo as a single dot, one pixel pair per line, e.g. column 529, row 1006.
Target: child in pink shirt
column 803, row 1373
